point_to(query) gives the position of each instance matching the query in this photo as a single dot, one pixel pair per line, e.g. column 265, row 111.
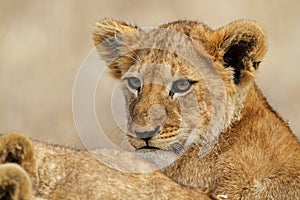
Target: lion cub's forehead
column 162, row 65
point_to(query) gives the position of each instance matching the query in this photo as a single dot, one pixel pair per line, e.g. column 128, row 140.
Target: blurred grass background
column 43, row 43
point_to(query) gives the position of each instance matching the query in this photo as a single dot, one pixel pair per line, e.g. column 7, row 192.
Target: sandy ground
column 43, row 43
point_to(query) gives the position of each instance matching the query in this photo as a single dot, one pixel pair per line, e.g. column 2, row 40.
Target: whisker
column 178, row 148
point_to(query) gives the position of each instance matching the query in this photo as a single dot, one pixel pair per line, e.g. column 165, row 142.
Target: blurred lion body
column 63, row 173
column 56, row 172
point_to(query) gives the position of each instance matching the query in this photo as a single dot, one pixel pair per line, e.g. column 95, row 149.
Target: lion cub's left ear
column 240, row 45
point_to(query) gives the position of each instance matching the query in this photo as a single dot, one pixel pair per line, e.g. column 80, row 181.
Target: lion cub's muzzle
column 147, row 124
column 147, row 134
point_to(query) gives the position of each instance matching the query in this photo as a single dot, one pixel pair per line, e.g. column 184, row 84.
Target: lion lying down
column 34, row 170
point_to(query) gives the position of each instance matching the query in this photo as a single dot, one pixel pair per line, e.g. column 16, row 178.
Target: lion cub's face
column 167, row 100
column 183, row 82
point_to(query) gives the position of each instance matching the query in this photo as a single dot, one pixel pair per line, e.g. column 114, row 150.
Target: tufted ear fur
column 115, row 42
column 241, row 46
column 16, row 148
column 15, row 183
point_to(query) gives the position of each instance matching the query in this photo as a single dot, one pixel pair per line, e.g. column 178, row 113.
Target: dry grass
column 42, row 44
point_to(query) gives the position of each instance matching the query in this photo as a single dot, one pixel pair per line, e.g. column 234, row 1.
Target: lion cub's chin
column 161, row 158
column 147, row 150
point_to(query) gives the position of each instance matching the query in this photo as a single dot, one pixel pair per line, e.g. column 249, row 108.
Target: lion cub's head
column 183, row 82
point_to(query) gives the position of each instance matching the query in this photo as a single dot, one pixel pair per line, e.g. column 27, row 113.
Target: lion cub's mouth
column 147, row 148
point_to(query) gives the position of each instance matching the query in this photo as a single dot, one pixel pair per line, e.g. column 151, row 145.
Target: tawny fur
column 241, row 149
column 251, row 153
column 66, row 173
column 15, row 183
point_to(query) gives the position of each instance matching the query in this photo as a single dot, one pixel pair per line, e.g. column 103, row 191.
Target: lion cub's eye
column 134, row 83
column 181, row 86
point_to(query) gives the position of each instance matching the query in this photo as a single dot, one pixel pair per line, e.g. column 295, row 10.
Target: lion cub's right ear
column 115, row 41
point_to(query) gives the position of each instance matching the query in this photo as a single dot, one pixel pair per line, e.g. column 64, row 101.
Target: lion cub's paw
column 14, row 183
column 17, row 148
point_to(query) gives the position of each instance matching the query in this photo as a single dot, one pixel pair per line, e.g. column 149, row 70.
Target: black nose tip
column 147, row 134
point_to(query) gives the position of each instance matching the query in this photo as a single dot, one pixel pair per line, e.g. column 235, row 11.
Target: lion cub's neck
column 258, row 122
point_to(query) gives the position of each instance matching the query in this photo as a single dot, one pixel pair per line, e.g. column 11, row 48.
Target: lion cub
column 190, row 91
column 193, row 111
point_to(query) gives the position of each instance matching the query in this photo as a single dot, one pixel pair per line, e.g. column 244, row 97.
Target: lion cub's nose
column 147, row 134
